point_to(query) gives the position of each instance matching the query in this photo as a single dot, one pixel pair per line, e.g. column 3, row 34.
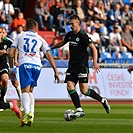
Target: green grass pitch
column 49, row 119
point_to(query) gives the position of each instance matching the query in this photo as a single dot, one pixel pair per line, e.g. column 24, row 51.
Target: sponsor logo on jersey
column 68, row 73
column 73, row 43
column 5, row 46
column 82, row 75
column 32, row 66
column 30, row 54
column 77, row 39
column 31, row 35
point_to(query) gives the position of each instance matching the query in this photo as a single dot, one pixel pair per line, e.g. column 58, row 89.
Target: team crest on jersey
column 77, row 39
column 5, row 46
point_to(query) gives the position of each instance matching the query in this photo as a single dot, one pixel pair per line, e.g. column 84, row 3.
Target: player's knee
column 84, row 91
column 5, row 80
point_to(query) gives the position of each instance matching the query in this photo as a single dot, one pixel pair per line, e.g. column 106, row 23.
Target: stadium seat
column 106, row 57
column 130, row 60
column 127, row 57
column 118, row 57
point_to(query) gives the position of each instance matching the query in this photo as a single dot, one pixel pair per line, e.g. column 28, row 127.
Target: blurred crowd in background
column 109, row 23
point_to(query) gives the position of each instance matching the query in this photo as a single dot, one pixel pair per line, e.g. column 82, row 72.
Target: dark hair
column 30, row 24
column 75, row 16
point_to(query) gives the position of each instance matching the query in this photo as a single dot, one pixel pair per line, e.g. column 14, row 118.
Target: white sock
column 32, row 102
column 26, row 102
column 11, row 105
column 79, row 109
column 103, row 99
column 19, row 93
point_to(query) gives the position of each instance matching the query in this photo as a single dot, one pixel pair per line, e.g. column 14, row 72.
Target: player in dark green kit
column 4, row 71
column 78, row 68
column 4, row 67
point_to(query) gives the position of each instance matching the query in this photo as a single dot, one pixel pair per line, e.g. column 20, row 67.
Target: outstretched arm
column 94, row 51
column 59, row 44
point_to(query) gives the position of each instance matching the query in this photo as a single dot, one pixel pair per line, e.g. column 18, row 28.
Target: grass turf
column 49, row 119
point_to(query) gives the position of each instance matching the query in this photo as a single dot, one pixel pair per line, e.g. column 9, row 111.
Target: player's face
column 75, row 25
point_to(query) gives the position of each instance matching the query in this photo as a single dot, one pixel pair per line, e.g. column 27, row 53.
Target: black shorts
column 4, row 68
column 82, row 77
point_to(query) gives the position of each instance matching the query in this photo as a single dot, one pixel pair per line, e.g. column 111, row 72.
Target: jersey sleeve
column 87, row 39
column 7, row 41
column 66, row 39
column 15, row 42
column 45, row 47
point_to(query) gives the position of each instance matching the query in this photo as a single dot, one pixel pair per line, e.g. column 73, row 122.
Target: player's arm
column 12, row 52
column 130, row 69
column 52, row 62
column 59, row 44
column 16, row 57
column 13, row 48
column 2, row 52
column 94, row 51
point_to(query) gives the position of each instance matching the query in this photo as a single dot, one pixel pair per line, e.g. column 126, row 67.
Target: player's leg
column 35, row 76
column 4, row 85
column 71, row 80
column 26, row 101
column 32, row 106
column 29, row 114
column 1, row 108
column 26, row 104
column 11, row 105
column 28, row 80
column 75, row 99
column 4, row 105
column 25, row 83
column 91, row 93
column 15, row 83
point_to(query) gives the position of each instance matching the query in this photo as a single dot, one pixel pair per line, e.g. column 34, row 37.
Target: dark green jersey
column 5, row 44
column 78, row 44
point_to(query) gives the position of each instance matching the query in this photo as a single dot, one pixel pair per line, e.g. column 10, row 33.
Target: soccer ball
column 68, row 115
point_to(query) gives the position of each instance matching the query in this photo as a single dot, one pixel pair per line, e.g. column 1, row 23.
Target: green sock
column 88, row 92
column 3, row 92
column 91, row 93
column 75, row 98
column 71, row 91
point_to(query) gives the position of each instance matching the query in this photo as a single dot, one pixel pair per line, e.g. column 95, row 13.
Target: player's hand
column 57, row 79
column 16, row 63
column 130, row 69
column 96, row 67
